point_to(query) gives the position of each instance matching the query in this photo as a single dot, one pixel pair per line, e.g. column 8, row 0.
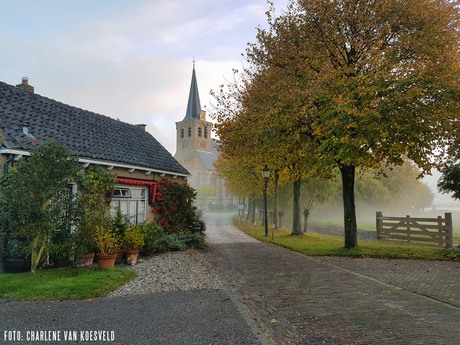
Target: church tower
column 193, row 133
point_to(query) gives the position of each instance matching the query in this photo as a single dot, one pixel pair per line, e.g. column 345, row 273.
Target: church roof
column 208, row 158
column 193, row 105
column 28, row 119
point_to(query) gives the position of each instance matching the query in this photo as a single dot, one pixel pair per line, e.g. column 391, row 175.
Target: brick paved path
column 297, row 299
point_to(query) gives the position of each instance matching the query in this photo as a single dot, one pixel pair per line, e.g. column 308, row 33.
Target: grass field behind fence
column 319, row 245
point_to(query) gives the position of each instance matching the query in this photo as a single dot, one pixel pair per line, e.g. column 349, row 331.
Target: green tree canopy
column 35, row 198
column 450, row 180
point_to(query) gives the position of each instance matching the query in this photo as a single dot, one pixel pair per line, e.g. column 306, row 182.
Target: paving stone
column 297, row 299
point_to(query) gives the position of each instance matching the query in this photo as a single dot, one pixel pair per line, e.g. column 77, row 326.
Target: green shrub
column 133, row 239
column 152, row 233
column 120, row 223
column 170, row 243
column 174, row 207
column 197, row 226
column 196, row 241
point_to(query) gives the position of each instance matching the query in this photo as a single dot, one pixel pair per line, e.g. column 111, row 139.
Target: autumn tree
column 360, row 84
column 254, row 131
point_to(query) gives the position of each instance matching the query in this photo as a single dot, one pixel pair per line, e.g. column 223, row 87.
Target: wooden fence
column 435, row 230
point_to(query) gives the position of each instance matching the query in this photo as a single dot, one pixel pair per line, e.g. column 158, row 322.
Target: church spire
column 193, row 105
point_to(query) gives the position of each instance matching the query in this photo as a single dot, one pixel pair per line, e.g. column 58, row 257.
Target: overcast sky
column 127, row 59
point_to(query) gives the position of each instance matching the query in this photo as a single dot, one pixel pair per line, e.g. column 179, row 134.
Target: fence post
column 449, row 230
column 378, row 223
column 441, row 231
column 408, row 228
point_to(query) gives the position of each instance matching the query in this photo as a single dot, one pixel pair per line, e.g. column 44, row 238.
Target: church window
column 181, row 132
column 199, row 131
column 205, row 132
column 189, row 132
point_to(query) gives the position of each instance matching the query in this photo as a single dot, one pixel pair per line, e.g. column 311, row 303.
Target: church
column 197, row 151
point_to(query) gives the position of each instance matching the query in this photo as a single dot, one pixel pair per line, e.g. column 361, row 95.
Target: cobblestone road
column 303, row 300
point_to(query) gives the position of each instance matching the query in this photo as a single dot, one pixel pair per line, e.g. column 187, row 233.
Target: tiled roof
column 84, row 133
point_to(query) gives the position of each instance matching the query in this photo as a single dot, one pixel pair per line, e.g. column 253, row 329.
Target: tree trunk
column 280, row 217
column 249, row 209
column 349, row 212
column 253, row 219
column 275, row 201
column 296, row 225
column 306, row 213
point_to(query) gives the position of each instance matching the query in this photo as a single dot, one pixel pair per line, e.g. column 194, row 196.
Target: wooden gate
column 434, row 230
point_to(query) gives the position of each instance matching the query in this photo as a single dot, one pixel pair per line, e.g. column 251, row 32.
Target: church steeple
column 193, row 132
column 193, row 105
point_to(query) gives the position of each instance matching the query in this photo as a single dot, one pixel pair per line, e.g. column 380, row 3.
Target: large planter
column 106, row 261
column 119, row 253
column 61, row 262
column 131, row 256
column 85, row 261
column 15, row 265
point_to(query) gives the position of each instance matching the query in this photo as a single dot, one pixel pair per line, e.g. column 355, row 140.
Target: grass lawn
column 57, row 284
column 319, row 245
column 367, row 223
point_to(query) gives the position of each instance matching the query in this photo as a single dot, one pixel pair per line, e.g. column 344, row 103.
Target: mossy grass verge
column 61, row 284
column 319, row 245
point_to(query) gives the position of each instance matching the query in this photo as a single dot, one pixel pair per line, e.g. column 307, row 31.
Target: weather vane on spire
column 193, row 61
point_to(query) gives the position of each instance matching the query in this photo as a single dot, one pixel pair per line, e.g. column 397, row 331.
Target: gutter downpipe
column 8, row 161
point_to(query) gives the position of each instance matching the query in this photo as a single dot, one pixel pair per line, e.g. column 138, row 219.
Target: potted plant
column 84, row 248
column 61, row 253
column 133, row 240
column 63, row 248
column 120, row 223
column 107, row 243
column 17, row 256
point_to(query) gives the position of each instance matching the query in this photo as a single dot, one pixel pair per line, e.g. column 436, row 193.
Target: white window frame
column 133, row 215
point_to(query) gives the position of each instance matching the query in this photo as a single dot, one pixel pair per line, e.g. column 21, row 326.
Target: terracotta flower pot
column 106, row 261
column 119, row 254
column 131, row 256
column 86, row 261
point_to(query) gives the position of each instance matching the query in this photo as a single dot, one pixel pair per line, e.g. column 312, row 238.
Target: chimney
column 25, row 85
column 141, row 126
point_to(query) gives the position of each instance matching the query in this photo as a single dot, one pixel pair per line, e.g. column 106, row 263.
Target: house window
column 181, row 132
column 132, row 202
column 199, row 131
column 205, row 132
column 189, row 132
column 122, row 193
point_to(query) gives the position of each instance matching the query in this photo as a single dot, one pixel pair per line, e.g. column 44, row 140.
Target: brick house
column 135, row 156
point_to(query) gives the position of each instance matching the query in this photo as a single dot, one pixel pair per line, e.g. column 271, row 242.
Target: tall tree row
column 347, row 84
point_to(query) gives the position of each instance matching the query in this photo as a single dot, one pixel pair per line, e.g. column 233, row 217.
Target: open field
column 366, row 221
